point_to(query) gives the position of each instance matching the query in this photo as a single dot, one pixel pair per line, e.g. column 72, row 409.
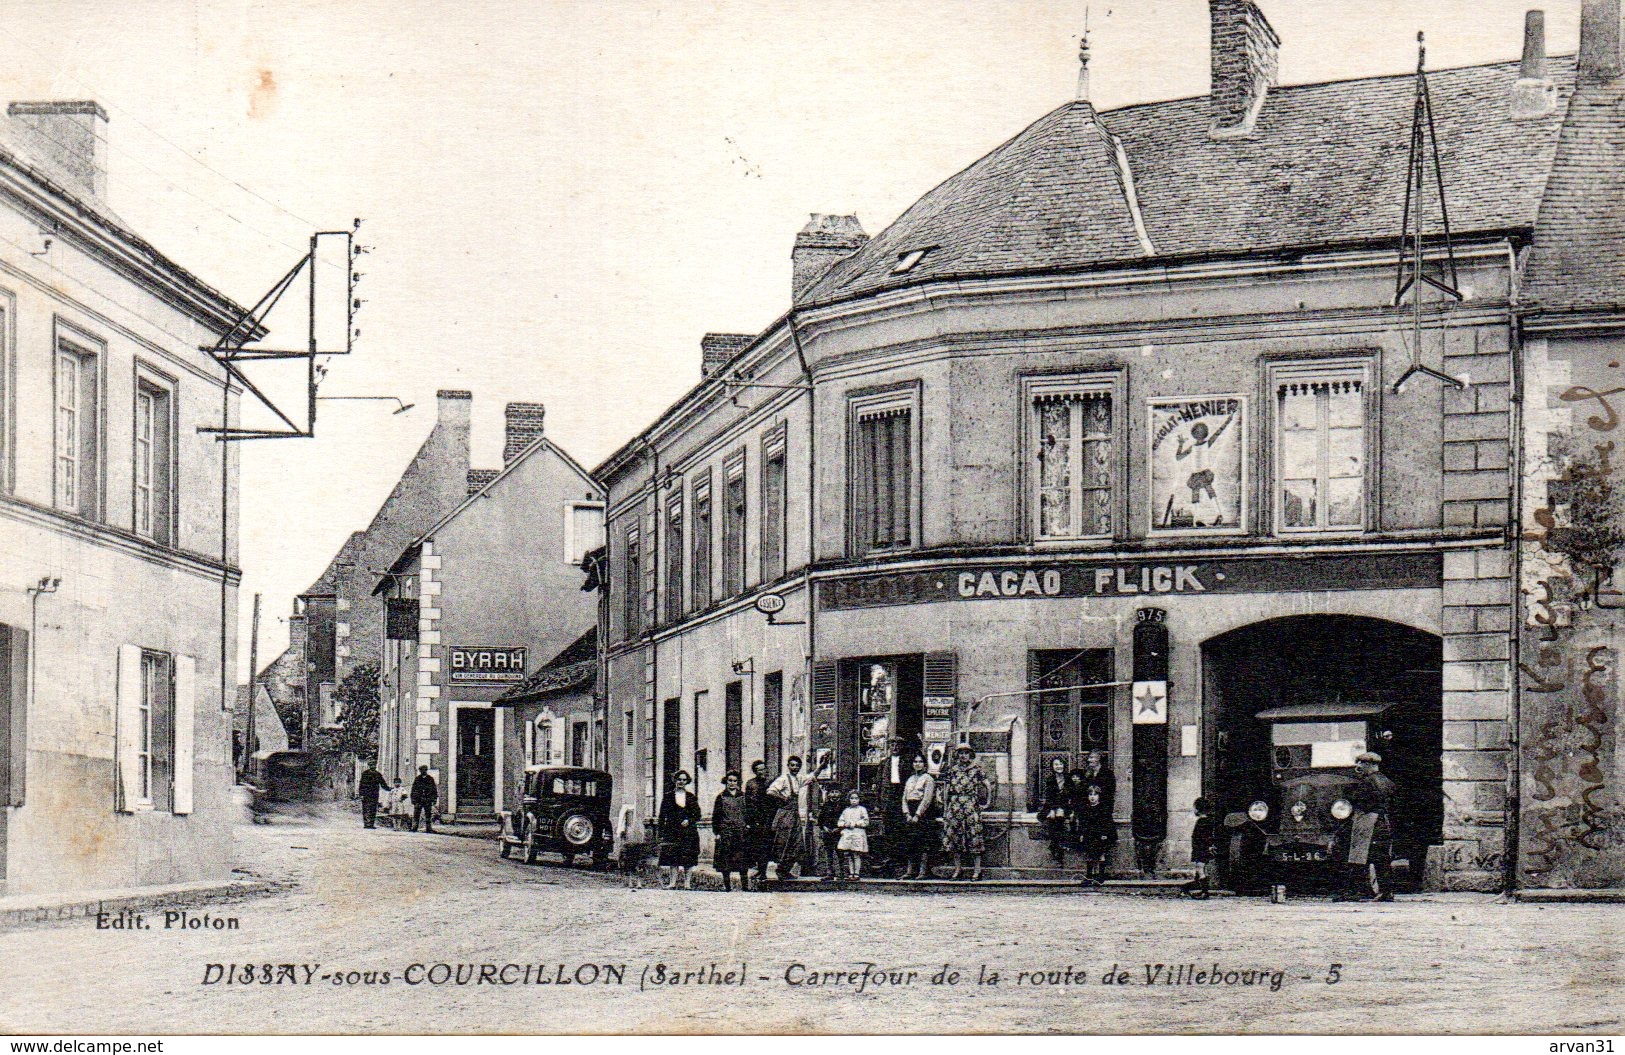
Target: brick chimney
column 1600, row 38
column 478, row 478
column 717, row 348
column 1245, row 52
column 524, row 428
column 819, row 245
column 67, row 139
column 1534, row 94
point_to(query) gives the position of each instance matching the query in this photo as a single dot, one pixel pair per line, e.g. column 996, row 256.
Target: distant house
column 476, row 603
column 552, row 713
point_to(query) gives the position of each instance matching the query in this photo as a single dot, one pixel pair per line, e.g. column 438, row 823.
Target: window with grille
column 1320, row 448
column 882, row 463
column 773, row 518
column 1072, row 457
column 733, row 526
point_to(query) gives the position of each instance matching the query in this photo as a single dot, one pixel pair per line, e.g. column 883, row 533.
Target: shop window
column 1072, row 462
column 1320, row 447
column 881, row 458
column 632, row 585
column 701, row 529
column 1070, row 713
column 152, row 466
column 77, row 386
column 674, row 558
column 733, row 526
column 773, row 515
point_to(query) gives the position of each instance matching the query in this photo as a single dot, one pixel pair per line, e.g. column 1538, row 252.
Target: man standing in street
column 425, row 793
column 1371, row 833
column 372, row 783
column 759, row 810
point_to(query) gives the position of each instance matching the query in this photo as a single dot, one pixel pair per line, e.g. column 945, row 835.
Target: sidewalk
column 18, row 911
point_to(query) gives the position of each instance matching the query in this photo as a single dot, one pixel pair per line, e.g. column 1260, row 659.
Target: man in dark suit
column 425, row 793
column 372, row 782
column 1371, row 833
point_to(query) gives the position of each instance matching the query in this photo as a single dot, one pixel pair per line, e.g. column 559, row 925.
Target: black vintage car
column 564, row 810
column 1297, row 815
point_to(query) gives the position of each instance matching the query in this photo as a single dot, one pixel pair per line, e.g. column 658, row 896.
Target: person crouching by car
column 728, row 822
column 854, row 841
column 679, row 834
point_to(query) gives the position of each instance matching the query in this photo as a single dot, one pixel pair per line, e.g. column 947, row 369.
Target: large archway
column 1329, row 660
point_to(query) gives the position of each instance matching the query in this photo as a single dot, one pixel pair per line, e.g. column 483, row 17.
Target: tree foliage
column 357, row 700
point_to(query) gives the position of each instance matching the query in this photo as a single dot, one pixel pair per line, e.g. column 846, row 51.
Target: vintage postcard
column 770, row 517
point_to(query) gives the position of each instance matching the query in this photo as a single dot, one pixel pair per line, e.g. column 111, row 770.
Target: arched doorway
column 1334, row 662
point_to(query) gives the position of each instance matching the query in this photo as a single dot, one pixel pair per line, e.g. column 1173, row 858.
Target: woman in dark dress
column 679, row 834
column 1055, row 808
column 732, row 829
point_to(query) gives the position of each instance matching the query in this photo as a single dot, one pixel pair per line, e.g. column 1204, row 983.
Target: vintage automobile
column 1293, row 829
column 563, row 810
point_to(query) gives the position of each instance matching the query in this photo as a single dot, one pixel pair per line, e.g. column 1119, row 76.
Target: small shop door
column 476, row 759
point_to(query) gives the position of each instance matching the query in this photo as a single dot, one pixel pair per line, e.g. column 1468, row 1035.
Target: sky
column 561, row 196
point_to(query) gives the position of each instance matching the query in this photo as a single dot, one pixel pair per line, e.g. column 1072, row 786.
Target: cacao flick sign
column 487, row 664
column 1141, row 579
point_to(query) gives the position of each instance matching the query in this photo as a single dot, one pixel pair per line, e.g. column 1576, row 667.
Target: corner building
column 1131, row 372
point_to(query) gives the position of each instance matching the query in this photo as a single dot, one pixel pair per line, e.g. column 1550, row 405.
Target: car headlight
column 1342, row 809
column 1259, row 810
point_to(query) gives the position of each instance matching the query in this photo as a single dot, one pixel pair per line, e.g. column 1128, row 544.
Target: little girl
column 854, row 842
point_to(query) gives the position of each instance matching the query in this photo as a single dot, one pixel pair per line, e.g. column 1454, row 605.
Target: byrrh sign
column 957, row 582
column 487, row 664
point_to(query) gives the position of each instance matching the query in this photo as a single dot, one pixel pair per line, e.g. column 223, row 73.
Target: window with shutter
column 773, row 508
column 674, row 558
column 881, row 466
column 733, row 526
column 700, row 566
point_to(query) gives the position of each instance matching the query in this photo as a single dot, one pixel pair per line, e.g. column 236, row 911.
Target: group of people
column 404, row 808
column 1076, row 809
column 760, row 824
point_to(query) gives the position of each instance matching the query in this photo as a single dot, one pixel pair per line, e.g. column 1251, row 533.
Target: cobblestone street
column 379, row 902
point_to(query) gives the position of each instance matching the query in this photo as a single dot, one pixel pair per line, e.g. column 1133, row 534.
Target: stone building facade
column 1134, row 367
column 118, row 532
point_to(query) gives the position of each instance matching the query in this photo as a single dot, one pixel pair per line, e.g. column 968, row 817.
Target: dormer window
column 906, row 262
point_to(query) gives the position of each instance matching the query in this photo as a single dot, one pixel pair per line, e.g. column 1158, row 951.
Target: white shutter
column 185, row 709
column 126, row 726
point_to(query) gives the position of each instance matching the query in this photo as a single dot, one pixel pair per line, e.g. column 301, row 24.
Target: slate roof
column 338, row 569
column 575, row 666
column 1578, row 259
column 1325, row 166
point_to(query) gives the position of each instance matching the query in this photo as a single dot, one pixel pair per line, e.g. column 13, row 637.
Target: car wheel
column 579, row 832
column 532, row 851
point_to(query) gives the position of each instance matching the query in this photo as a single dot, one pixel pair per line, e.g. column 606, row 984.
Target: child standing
column 854, row 843
column 829, row 829
column 1095, row 835
column 1204, row 849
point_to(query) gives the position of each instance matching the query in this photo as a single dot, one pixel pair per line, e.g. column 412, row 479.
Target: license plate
column 1302, row 855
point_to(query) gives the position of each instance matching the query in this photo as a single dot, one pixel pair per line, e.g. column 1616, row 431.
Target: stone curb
column 86, row 906
column 1570, row 897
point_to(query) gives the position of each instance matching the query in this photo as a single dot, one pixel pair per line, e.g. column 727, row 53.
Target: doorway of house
column 476, row 760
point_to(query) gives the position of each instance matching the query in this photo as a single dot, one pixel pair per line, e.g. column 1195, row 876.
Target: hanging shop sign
column 1197, row 470
column 1137, row 579
column 401, row 618
column 487, row 664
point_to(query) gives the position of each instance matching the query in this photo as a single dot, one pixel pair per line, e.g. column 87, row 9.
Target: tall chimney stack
column 825, row 239
column 68, row 139
column 454, row 406
column 1534, row 95
column 1246, row 61
column 1600, row 60
column 524, row 421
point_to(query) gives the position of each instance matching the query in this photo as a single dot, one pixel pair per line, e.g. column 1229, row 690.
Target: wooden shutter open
column 127, row 734
column 185, row 712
